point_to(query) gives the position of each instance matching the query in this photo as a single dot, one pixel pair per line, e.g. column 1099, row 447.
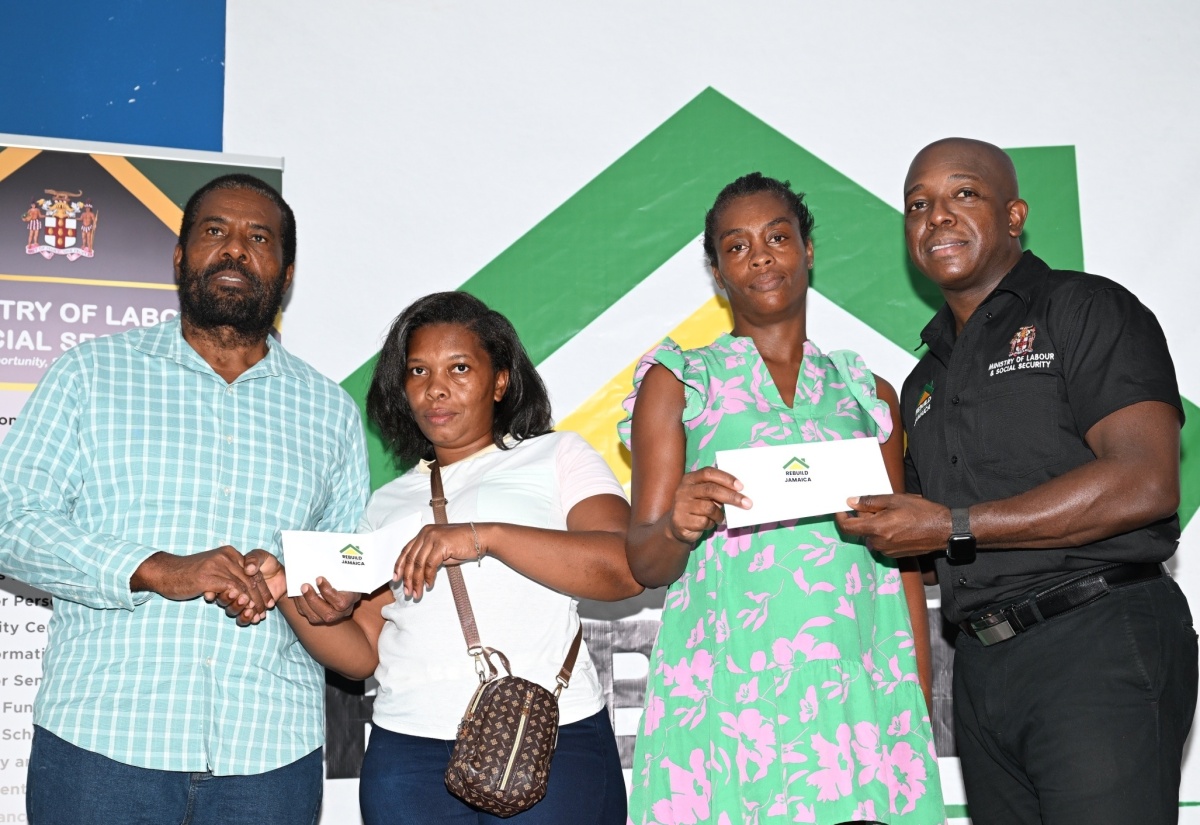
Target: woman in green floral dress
column 784, row 684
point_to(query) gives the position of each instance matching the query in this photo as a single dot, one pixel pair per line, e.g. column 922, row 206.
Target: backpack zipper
column 512, row 757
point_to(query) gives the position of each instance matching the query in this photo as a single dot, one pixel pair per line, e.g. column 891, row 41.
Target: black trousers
column 1081, row 718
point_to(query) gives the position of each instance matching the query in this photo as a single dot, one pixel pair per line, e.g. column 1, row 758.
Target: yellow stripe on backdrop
column 13, row 158
column 596, row 419
column 141, row 188
column 50, row 279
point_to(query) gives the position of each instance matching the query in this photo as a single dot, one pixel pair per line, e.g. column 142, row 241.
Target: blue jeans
column 68, row 785
column 402, row 781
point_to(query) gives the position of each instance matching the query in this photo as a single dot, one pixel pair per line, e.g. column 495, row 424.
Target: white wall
column 466, row 123
column 422, row 139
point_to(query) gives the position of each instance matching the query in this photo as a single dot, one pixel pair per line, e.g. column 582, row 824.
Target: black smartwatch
column 960, row 547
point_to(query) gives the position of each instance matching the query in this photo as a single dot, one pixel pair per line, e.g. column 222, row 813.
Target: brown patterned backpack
column 506, row 739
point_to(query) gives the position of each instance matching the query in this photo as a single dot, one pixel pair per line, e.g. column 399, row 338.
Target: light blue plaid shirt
column 131, row 444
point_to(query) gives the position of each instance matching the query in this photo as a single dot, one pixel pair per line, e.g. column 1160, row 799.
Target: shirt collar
column 423, row 465
column 1021, row 281
column 938, row 334
column 1024, row 278
column 166, row 340
column 730, row 341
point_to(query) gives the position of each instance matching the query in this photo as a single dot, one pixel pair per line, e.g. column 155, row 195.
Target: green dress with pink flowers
column 783, row 685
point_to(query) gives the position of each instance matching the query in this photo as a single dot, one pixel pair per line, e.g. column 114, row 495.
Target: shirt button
column 953, row 460
column 208, row 661
column 954, row 400
column 988, row 315
column 229, row 438
column 227, row 489
column 962, row 580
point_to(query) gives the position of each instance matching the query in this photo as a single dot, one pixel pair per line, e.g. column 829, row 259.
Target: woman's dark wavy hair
column 523, row 412
column 752, row 184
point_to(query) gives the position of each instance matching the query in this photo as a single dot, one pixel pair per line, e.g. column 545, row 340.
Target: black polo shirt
column 1005, row 407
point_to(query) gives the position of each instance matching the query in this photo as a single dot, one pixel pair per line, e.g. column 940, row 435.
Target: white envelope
column 794, row 481
column 354, row 562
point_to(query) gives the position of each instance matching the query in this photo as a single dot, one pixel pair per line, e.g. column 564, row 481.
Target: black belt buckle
column 992, row 627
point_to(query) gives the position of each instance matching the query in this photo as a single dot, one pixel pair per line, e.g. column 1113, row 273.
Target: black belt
column 1003, row 623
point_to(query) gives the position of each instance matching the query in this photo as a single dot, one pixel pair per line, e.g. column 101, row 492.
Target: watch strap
column 960, row 521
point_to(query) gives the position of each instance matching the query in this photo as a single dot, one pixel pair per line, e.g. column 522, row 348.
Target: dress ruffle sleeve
column 860, row 383
column 688, row 368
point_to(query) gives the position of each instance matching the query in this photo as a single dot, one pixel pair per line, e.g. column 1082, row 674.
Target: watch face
column 960, row 549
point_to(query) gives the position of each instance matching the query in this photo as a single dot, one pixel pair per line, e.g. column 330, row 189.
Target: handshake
column 246, row 586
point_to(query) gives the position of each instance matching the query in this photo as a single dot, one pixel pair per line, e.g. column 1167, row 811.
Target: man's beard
column 248, row 314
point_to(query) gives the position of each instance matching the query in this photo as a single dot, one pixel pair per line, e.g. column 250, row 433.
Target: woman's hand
column 672, row 510
column 323, row 605
column 275, row 577
column 434, row 546
column 266, row 571
column 700, row 501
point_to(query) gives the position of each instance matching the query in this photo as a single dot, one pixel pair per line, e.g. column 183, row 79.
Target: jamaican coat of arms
column 1022, row 342
column 62, row 224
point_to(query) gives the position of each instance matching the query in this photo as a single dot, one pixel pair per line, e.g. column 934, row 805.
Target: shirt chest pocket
column 1018, row 423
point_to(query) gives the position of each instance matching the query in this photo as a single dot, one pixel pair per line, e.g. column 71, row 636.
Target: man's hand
column 897, row 525
column 218, row 575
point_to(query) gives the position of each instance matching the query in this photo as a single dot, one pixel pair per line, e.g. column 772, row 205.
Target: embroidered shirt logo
column 924, row 402
column 1021, row 355
column 1022, row 342
column 352, row 556
column 796, row 470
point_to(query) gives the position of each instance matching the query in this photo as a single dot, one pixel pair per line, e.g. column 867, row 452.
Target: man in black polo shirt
column 1043, row 431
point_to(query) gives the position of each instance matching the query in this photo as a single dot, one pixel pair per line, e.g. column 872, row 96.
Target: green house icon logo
column 796, row 464
column 351, row 552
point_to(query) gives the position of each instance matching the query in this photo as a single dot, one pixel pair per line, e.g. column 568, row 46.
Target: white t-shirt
column 425, row 676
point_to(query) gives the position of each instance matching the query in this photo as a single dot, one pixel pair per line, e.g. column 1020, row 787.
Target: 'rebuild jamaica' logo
column 352, row 556
column 796, row 470
column 924, row 402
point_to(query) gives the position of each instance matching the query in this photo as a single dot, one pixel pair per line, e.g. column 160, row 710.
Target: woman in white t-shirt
column 537, row 521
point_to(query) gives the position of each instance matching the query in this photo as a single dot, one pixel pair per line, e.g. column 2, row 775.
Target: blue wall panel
column 148, row 72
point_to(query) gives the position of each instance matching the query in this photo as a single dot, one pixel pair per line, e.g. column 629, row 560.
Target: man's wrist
column 145, row 577
column 960, row 520
column 961, row 545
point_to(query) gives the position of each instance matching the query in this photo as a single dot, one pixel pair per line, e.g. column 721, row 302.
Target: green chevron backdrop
column 650, row 203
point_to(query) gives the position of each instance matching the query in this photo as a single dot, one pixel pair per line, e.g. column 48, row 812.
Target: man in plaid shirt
column 143, row 469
